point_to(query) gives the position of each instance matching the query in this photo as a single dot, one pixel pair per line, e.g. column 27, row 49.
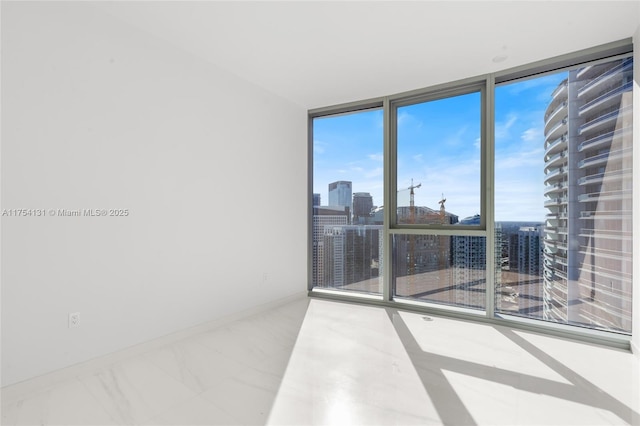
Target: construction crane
column 412, row 207
column 442, row 210
column 412, row 242
column 444, row 247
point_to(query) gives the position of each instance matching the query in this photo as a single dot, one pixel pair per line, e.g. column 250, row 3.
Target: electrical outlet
column 74, row 320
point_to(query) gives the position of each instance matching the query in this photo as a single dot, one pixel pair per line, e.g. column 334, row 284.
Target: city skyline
column 349, row 147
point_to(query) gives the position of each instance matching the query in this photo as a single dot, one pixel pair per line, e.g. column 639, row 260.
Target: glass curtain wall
column 347, row 197
column 563, row 151
column 556, row 161
column 438, row 165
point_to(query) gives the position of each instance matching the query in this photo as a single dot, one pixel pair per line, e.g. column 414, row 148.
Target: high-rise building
column 316, row 199
column 469, row 260
column 340, row 195
column 425, row 265
column 362, row 205
column 425, row 215
column 323, row 217
column 422, row 267
column 529, row 265
column 351, row 254
column 529, row 252
column 469, row 270
column 513, row 239
column 587, row 238
column 419, row 256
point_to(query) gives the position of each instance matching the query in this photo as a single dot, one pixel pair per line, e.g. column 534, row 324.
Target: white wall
column 636, row 191
column 96, row 114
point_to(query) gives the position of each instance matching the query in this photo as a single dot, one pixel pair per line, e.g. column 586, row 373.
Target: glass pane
column 441, row 269
column 348, row 188
column 563, row 196
column 439, row 160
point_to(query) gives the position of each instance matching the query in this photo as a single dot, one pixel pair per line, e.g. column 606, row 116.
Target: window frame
column 347, row 108
column 446, row 91
column 486, row 85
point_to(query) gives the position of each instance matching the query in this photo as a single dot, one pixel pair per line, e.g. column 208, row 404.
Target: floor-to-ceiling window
column 563, row 195
column 508, row 194
column 438, row 197
column 347, row 201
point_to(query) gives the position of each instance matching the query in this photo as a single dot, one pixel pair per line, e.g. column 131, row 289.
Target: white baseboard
column 48, row 380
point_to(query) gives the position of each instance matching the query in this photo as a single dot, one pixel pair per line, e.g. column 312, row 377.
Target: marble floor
column 314, row 361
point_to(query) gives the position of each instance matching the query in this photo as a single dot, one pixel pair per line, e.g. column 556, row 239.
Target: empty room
column 320, row 212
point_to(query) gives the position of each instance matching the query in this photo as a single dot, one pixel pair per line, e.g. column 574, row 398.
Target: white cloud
column 418, row 158
column 374, row 173
column 405, row 120
column 502, row 127
column 319, row 147
column 532, row 134
column 376, row 157
column 533, row 158
column 457, row 137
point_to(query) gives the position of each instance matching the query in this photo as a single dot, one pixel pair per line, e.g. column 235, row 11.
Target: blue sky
column 439, row 147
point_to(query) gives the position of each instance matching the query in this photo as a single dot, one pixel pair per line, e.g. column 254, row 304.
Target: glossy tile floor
column 322, row 362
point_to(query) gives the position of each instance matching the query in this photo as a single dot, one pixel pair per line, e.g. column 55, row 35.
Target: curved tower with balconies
column 556, row 201
column 587, row 255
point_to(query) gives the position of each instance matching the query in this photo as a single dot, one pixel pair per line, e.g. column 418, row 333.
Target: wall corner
column 635, row 338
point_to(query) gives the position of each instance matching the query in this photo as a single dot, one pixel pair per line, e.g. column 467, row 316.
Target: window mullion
column 488, row 114
column 389, row 201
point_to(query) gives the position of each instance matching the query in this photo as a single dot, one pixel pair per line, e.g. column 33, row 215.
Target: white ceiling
column 320, row 53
